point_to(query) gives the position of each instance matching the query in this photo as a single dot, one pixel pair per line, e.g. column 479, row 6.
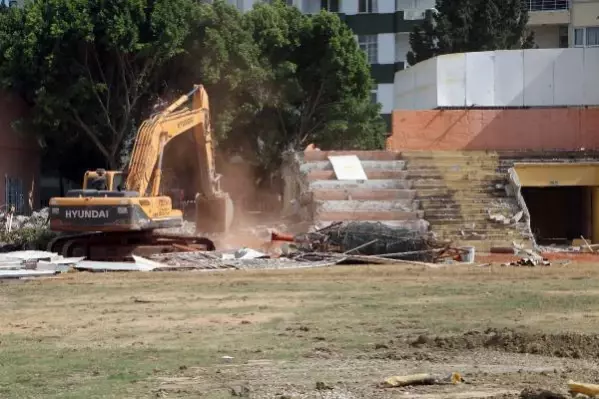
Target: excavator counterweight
column 116, row 213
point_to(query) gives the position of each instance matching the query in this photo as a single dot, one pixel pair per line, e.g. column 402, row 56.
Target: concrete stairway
column 387, row 196
column 458, row 191
column 451, row 193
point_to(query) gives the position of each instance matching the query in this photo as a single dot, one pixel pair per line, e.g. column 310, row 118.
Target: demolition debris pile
column 374, row 239
column 24, row 232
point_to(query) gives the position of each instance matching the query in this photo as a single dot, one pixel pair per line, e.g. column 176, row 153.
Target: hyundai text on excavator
column 116, row 213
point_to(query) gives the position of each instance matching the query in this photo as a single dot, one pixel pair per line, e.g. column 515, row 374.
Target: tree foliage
column 88, row 66
column 277, row 79
column 318, row 81
column 471, row 25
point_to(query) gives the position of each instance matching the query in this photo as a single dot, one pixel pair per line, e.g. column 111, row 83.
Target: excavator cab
column 101, row 179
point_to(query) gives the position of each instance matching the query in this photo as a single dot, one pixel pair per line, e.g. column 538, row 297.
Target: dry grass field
column 343, row 329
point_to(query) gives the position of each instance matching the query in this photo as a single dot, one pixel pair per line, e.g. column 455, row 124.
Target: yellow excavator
column 116, row 213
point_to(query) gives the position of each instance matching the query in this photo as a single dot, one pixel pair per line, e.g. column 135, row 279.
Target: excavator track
column 120, row 246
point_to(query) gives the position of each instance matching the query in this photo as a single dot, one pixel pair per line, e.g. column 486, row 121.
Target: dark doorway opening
column 559, row 214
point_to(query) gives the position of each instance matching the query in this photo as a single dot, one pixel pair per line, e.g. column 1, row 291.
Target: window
column 367, row 6
column 369, row 44
column 579, row 37
column 563, row 37
column 13, row 193
column 330, row 5
column 592, row 37
column 401, row 5
column 373, row 96
column 402, row 46
column 586, row 37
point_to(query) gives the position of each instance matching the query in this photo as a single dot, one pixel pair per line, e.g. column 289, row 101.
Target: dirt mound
column 567, row 345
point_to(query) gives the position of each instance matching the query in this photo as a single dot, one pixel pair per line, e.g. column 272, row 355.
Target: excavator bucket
column 214, row 215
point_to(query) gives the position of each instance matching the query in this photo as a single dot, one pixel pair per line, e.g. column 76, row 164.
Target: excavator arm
column 213, row 207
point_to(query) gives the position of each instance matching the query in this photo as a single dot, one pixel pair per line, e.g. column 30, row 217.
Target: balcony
column 548, row 12
column 548, row 5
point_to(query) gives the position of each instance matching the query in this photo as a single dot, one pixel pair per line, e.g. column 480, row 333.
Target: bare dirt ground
column 318, row 333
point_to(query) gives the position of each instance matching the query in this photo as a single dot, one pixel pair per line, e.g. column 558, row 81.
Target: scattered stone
column 321, row 386
column 240, row 391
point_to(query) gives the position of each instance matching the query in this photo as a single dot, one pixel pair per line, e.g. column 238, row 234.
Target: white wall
column 386, row 51
column 510, row 78
column 385, row 7
column 385, row 97
column 349, row 7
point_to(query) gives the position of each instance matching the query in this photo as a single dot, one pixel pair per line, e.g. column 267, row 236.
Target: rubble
column 336, row 244
column 19, row 232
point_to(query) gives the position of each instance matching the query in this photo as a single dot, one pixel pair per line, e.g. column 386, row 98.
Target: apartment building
column 565, row 23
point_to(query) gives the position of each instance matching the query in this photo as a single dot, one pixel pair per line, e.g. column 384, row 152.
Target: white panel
column 425, row 85
column 349, row 7
column 386, row 6
column 480, row 79
column 402, row 46
column 568, row 76
column 404, row 83
column 385, row 97
column 386, row 52
column 451, row 80
column 538, row 77
column 591, row 83
column 509, row 78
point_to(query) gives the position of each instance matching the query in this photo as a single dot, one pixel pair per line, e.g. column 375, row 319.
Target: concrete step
column 454, row 185
column 482, row 201
column 465, row 208
column 463, row 192
column 362, row 155
column 448, row 154
column 307, row 167
column 372, row 174
column 367, row 215
column 455, row 219
column 475, row 175
column 478, row 228
column 363, row 194
column 360, row 184
column 361, row 206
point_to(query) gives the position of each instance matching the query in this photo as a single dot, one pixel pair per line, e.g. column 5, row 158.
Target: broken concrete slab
column 406, row 205
column 5, row 274
column 348, row 167
column 366, row 164
column 365, row 184
column 29, row 255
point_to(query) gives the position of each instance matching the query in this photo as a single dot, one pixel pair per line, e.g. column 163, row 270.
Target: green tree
column 318, row 83
column 471, row 25
column 88, row 67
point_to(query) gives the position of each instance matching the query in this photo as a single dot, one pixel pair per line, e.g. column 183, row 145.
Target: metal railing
column 548, row 5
